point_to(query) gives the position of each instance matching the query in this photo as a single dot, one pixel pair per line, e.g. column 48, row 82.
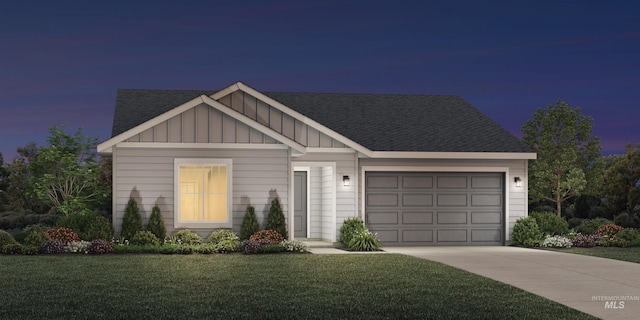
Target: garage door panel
column 486, row 235
column 427, row 208
column 382, row 200
column 417, row 236
column 420, row 182
column 486, row 217
column 492, row 200
column 386, row 217
column 452, row 200
column 417, row 200
column 452, row 235
column 417, row 217
column 452, row 217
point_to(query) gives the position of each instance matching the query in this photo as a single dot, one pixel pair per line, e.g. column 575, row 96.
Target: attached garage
column 441, row 208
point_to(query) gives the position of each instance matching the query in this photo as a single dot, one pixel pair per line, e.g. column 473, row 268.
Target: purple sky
column 61, row 62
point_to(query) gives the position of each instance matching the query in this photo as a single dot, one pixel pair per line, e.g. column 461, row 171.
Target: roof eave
column 454, row 155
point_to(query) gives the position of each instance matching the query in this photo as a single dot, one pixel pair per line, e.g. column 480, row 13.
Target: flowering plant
column 609, row 230
column 586, row 240
column 52, row 247
column 267, row 237
column 99, row 246
column 294, row 245
column 556, row 242
column 76, row 246
column 62, row 234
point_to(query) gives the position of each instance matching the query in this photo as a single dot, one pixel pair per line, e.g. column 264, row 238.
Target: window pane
column 203, row 193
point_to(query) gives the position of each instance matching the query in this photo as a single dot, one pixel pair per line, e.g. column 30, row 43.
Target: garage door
column 422, row 208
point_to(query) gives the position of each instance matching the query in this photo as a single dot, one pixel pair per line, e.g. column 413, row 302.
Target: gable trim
column 179, row 145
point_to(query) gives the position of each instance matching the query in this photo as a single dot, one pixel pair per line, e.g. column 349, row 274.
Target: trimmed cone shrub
column 526, row 232
column 249, row 224
column 275, row 219
column 156, row 224
column 131, row 221
column 550, row 223
column 349, row 228
column 144, row 238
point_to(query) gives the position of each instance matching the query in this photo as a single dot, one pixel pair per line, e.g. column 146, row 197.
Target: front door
column 300, row 204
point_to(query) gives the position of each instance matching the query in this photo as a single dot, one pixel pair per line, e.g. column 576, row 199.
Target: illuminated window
column 203, row 193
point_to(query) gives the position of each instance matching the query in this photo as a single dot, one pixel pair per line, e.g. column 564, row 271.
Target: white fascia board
column 300, row 117
column 179, row 145
column 453, row 155
column 253, row 124
column 106, row 147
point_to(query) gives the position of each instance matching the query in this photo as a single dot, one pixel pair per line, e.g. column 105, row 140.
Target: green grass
column 625, row 254
column 287, row 286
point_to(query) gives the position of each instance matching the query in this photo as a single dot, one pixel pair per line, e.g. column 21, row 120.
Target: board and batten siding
column 517, row 196
column 147, row 176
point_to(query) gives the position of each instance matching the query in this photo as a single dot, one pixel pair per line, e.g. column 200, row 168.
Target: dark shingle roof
column 379, row 122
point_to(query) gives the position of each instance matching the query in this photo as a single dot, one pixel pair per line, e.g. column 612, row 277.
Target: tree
column 131, row 221
column 4, row 184
column 275, row 219
column 249, row 223
column 622, row 181
column 568, row 153
column 19, row 192
column 65, row 174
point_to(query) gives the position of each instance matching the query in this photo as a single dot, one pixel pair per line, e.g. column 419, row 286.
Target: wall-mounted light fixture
column 517, row 181
column 346, row 181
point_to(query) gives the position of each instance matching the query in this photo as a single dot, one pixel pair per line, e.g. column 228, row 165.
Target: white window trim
column 177, row 162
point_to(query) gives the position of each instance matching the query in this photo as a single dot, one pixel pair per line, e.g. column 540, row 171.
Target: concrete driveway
column 605, row 288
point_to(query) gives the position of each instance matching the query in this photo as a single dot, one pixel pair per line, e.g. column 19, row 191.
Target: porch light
column 517, row 180
column 345, row 181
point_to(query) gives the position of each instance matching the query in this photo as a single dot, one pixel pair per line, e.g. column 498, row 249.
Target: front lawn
column 235, row 286
column 625, row 254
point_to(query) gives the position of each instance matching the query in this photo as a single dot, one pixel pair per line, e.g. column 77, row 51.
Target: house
column 420, row 169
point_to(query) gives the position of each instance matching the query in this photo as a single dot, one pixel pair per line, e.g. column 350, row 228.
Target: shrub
column 62, row 234
column 556, row 241
column 187, row 237
column 205, row 249
column 591, row 225
column 349, row 228
column 36, row 238
column 526, row 232
column 76, row 246
column 626, row 220
column 275, row 219
column 185, row 249
column 272, row 248
column 249, row 247
column 6, row 238
column 608, row 241
column 156, row 223
column 143, row 238
column 226, row 245
column 222, row 234
column 12, row 248
column 267, row 237
column 52, row 246
column 99, row 246
column 364, row 241
column 574, row 222
column 29, row 250
column 608, row 230
column 131, row 221
column 294, row 246
column 586, row 240
column 89, row 226
column 628, row 234
column 550, row 223
column 249, row 224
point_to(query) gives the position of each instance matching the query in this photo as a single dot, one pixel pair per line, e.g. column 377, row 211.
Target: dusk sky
column 61, row 62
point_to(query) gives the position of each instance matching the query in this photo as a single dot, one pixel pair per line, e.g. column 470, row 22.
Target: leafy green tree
column 568, row 153
column 622, row 181
column 275, row 219
column 65, row 174
column 4, row 184
column 19, row 192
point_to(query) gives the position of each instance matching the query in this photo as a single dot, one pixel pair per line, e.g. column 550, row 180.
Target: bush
column 76, row 246
column 626, row 220
column 156, row 223
column 89, row 226
column 52, row 246
column 550, row 223
column 99, row 246
column 131, row 221
column 187, row 237
column 226, row 246
column 19, row 220
column 526, row 232
column 249, row 247
column 350, row 227
column 294, row 246
column 62, row 234
column 591, row 225
column 267, row 237
column 574, row 222
column 272, row 248
column 222, row 234
column 6, row 238
column 143, row 238
column 30, row 250
column 205, row 249
column 628, row 234
column 608, row 230
column 586, row 240
column 275, row 219
column 556, row 241
column 185, row 249
column 364, row 241
column 249, row 224
column 608, row 241
column 36, row 238
column 12, row 248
